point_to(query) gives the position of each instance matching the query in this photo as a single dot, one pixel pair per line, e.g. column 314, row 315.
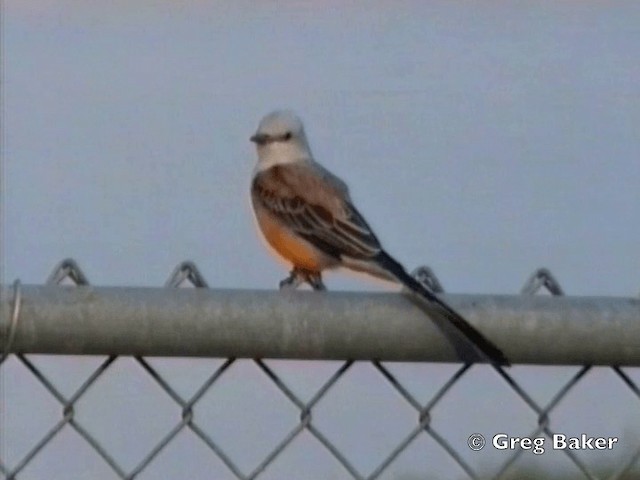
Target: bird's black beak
column 260, row 138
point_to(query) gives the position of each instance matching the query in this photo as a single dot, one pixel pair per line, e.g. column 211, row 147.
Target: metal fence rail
column 348, row 326
column 314, row 325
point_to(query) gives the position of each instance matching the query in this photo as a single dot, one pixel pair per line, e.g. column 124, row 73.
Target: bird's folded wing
column 316, row 206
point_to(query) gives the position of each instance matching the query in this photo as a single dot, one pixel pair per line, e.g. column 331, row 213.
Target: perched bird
column 307, row 216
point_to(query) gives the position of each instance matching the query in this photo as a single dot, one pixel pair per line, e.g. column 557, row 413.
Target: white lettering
column 500, row 441
column 559, row 441
column 538, row 443
column 583, row 442
column 600, row 443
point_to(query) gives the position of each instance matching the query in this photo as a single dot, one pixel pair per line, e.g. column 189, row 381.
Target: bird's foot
column 293, row 281
column 299, row 276
column 315, row 280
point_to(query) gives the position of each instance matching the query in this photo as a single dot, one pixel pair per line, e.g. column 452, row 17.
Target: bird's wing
column 315, row 204
column 316, row 207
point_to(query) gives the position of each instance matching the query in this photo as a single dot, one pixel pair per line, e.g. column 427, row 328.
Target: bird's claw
column 315, row 280
column 292, row 282
column 298, row 277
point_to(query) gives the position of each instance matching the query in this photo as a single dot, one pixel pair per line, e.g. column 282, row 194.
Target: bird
column 307, row 216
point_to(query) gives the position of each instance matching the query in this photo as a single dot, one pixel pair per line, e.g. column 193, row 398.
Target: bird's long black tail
column 493, row 353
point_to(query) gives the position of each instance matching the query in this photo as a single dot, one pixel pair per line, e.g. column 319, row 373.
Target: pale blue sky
column 484, row 141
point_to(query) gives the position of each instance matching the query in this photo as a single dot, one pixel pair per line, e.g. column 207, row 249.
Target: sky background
column 482, row 140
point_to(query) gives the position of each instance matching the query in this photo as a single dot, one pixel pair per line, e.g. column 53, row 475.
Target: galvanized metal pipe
column 313, row 325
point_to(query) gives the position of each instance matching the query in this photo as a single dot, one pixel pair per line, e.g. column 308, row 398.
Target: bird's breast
column 288, row 244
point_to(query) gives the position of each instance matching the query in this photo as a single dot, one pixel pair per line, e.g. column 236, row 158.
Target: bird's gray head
column 280, row 138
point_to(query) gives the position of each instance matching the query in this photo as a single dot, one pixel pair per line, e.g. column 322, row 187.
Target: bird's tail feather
column 493, row 353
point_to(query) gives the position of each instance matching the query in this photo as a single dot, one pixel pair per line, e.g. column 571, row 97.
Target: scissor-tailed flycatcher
column 306, row 214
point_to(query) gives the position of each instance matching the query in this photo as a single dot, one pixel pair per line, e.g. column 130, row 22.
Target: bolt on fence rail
column 112, row 321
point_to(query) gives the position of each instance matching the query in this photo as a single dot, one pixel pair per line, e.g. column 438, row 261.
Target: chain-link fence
column 304, row 423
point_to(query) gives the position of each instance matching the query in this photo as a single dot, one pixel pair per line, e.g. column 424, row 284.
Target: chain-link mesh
column 187, row 275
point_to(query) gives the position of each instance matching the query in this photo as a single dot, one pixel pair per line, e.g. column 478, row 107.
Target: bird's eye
column 287, row 136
